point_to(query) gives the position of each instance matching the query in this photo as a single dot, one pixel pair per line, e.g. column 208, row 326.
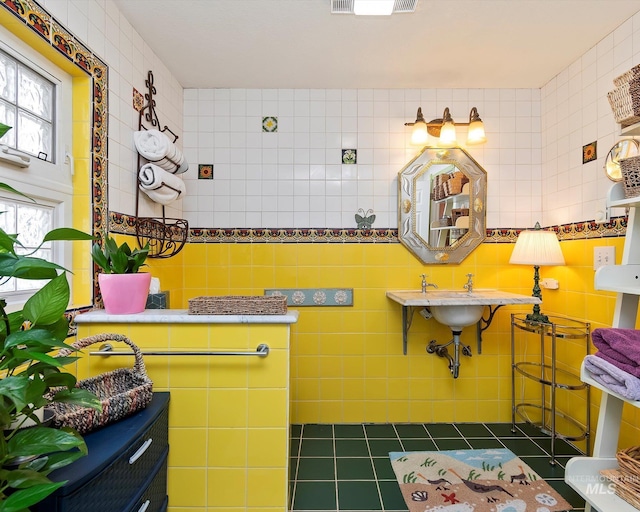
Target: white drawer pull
column 140, row 451
column 144, row 506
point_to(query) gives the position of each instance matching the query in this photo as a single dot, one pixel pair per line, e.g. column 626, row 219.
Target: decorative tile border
column 38, row 19
column 125, row 224
column 315, row 296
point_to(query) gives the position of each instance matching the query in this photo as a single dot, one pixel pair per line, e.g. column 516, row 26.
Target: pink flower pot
column 124, row 294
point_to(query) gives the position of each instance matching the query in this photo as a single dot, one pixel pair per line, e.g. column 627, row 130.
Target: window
column 27, row 105
column 31, row 221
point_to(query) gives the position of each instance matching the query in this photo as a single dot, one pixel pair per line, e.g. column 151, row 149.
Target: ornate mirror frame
column 461, row 235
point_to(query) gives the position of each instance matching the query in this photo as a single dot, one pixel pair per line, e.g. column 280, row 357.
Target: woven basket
column 627, row 477
column 121, row 392
column 627, row 77
column 239, row 305
column 625, row 102
column 630, row 169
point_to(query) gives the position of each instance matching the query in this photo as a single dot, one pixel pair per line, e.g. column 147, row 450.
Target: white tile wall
column 295, row 178
column 575, row 112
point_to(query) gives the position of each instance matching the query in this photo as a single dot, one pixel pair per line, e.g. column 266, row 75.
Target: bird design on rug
column 441, row 483
column 522, row 478
column 481, row 488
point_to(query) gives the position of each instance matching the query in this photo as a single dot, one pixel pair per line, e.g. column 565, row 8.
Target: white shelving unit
column 583, row 473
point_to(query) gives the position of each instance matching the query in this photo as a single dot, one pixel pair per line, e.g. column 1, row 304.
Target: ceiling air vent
column 346, row 6
column 405, row 5
column 341, row 6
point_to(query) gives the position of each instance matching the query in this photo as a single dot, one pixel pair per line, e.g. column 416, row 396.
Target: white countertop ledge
column 486, row 297
column 182, row 316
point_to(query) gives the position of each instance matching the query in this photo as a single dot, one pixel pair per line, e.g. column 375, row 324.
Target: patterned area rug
column 492, row 480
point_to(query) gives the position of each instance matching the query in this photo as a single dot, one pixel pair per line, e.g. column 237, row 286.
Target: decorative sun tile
column 589, row 152
column 138, row 100
column 315, row 296
column 205, row 171
column 270, row 124
column 349, row 156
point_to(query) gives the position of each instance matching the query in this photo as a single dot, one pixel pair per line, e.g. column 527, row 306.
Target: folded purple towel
column 620, row 347
column 612, row 377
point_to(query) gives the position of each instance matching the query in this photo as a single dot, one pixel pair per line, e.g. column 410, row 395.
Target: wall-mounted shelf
column 166, row 237
column 633, row 129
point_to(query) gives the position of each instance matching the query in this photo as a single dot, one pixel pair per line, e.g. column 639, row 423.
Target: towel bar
column 106, row 349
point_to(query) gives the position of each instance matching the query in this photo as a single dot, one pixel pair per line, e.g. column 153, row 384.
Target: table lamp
column 537, row 247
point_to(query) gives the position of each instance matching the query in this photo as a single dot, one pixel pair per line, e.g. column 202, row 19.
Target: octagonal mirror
column 441, row 205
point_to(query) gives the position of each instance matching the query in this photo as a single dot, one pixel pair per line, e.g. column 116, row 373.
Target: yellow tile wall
column 228, row 416
column 347, row 363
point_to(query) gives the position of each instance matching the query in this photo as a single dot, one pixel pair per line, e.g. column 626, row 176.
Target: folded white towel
column 160, row 185
column 156, row 147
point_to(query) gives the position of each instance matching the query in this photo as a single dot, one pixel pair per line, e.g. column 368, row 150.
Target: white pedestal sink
column 456, row 309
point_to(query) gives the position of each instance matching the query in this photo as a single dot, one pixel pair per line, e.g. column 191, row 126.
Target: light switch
column 603, row 256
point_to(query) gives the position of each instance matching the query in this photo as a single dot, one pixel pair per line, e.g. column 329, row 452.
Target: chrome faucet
column 425, row 284
column 469, row 284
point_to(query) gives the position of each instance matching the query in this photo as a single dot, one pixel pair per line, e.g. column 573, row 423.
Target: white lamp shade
column 537, row 247
column 419, row 135
column 476, row 133
column 448, row 134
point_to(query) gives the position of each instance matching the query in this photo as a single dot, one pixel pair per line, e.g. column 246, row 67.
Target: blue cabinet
column 125, row 470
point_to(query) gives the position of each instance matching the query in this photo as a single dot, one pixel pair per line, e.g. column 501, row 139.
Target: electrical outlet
column 603, row 256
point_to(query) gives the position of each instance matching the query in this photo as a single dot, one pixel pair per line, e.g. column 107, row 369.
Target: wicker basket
column 630, row 169
column 239, row 305
column 121, row 392
column 625, row 102
column 627, row 477
column 627, row 77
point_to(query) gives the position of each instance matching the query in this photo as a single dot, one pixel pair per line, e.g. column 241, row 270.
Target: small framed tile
column 349, row 156
column 138, row 100
column 270, row 124
column 589, row 152
column 205, row 171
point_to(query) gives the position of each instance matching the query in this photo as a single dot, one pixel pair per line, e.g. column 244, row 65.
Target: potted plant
column 28, row 372
column 124, row 289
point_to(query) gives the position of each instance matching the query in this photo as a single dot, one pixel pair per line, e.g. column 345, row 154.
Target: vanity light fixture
column 537, row 247
column 445, row 129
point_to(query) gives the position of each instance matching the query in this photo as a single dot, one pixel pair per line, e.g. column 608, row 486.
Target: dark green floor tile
column 383, row 468
column 380, row 431
column 295, row 430
column 315, row 496
column 418, row 445
column 355, row 469
column 442, row 430
column 523, row 447
column 294, row 446
column 358, row 496
column 411, row 430
column 351, row 448
column 481, row 443
column 316, row 468
column 531, row 430
column 568, row 493
column 381, row 447
column 452, row 444
column 317, row 431
column 562, row 447
column 293, row 467
column 316, row 447
column 541, row 466
column 348, row 431
column 473, row 430
column 391, row 496
column 502, row 430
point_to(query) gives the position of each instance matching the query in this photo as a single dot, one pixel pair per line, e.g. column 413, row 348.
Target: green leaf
column 43, row 440
column 49, row 303
column 28, row 267
column 67, row 234
column 21, row 500
column 80, row 397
